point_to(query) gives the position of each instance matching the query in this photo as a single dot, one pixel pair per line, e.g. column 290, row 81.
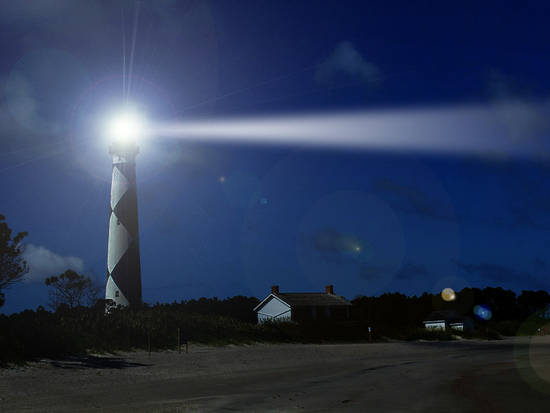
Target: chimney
column 275, row 289
column 329, row 289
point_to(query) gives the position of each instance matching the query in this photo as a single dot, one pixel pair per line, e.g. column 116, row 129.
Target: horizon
column 48, row 307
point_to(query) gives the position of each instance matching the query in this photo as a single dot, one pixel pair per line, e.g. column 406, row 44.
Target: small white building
column 447, row 320
column 435, row 324
column 302, row 307
column 457, row 325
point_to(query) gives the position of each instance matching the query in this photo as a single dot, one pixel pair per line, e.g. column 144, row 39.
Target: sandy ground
column 511, row 375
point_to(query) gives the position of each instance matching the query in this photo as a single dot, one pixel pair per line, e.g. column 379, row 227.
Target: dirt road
column 511, row 375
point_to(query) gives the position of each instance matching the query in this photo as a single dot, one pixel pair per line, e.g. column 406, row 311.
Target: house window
column 117, row 293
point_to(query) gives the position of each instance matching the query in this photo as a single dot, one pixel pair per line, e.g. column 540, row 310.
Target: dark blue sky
column 366, row 221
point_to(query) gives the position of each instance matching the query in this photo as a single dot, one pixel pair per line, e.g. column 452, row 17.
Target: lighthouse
column 123, row 261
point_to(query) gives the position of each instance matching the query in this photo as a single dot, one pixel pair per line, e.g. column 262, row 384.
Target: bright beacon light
column 126, row 126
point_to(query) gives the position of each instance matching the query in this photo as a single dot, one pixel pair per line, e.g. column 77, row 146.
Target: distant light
column 448, row 294
column 222, row 179
column 128, row 125
column 483, row 312
column 357, row 248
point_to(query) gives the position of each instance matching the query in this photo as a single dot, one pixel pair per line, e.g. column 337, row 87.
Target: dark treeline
column 511, row 314
column 238, row 307
column 71, row 331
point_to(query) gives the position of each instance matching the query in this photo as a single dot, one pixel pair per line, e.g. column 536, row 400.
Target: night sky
column 225, row 219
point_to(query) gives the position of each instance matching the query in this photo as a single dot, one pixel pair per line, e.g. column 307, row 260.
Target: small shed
column 303, row 307
column 447, row 320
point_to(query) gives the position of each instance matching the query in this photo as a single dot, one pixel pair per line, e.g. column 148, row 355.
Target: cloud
column 495, row 272
column 505, row 87
column 413, row 200
column 346, row 60
column 372, row 272
column 35, row 95
column 531, row 209
column 20, row 102
column 408, row 271
column 530, row 205
column 526, row 121
column 502, row 274
column 525, row 115
column 34, row 10
column 331, row 240
column 336, row 246
column 44, row 263
column 528, row 216
column 53, row 15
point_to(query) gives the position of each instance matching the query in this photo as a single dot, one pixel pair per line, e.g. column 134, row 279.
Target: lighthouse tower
column 123, row 264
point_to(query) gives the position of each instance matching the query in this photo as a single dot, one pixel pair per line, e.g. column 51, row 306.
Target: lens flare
column 483, row 312
column 448, row 294
column 531, row 353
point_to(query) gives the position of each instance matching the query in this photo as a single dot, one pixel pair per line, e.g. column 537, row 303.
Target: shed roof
column 306, row 299
column 298, row 299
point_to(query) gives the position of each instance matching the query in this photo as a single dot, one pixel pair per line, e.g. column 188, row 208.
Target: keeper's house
column 303, row 307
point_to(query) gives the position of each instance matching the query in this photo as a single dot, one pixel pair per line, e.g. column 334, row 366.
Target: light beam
column 488, row 130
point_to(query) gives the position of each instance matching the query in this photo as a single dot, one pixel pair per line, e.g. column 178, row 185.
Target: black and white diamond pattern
column 123, row 262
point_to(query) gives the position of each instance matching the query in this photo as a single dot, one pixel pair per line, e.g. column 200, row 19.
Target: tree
column 71, row 289
column 12, row 265
column 532, row 301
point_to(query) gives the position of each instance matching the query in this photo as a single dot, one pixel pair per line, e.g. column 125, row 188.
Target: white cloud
column 347, row 60
column 44, row 263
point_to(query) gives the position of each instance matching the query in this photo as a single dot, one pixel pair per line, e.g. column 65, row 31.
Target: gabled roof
column 266, row 299
column 306, row 299
column 297, row 299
